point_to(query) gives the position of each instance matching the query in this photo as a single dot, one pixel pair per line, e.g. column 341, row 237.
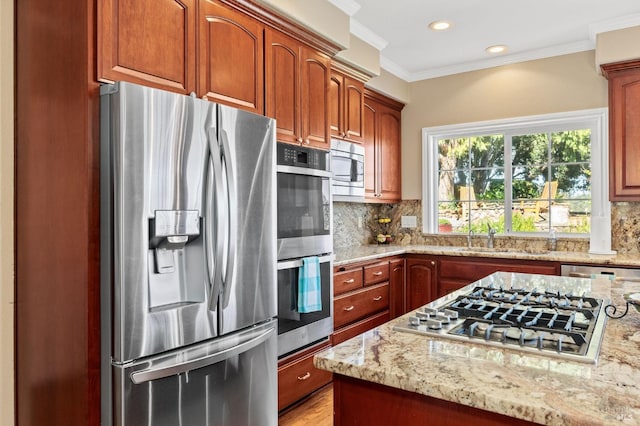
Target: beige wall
column 391, row 86
column 319, row 15
column 361, row 55
column 562, row 83
column 6, row 212
column 618, row 46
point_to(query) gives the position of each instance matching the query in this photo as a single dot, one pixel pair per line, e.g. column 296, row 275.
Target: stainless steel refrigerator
column 188, row 223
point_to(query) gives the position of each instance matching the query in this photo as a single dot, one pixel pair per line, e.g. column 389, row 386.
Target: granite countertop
column 536, row 388
column 344, row 256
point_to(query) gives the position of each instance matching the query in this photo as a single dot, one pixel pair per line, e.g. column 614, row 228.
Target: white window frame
column 594, row 119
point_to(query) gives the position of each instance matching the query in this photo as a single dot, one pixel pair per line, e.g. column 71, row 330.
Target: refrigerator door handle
column 232, row 218
column 214, row 225
column 161, row 372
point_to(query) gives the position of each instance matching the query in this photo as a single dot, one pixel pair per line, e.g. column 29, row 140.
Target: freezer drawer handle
column 159, row 373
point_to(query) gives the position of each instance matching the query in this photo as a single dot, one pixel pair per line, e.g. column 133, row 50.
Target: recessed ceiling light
column 498, row 48
column 440, row 25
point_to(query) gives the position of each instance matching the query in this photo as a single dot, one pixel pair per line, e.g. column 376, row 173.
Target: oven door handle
column 296, row 263
column 302, row 171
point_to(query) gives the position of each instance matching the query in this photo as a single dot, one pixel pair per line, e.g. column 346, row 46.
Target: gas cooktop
column 540, row 314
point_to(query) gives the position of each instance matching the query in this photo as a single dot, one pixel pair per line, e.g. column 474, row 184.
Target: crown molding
column 613, row 24
column 349, row 7
column 547, row 52
column 365, row 34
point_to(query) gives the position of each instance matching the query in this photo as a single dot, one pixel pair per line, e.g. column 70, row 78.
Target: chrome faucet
column 469, row 237
column 491, row 235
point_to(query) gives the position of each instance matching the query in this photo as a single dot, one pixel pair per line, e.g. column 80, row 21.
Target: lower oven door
column 295, row 329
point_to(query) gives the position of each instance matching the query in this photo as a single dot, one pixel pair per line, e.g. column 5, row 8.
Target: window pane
column 574, row 180
column 529, row 149
column 488, row 184
column 527, row 183
column 571, row 146
column 453, row 153
column 487, row 151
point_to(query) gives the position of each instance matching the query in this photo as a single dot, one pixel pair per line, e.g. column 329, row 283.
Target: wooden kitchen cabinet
column 362, row 298
column 397, row 304
column 148, row 42
column 382, row 140
column 297, row 87
column 624, row 130
column 456, row 272
column 346, row 107
column 230, row 57
column 298, row 377
column 421, row 280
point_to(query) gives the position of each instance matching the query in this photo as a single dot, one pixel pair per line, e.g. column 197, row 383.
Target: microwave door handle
column 143, row 376
column 232, row 218
column 215, row 191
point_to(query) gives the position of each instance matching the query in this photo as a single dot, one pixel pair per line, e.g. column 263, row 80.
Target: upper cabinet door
column 353, row 109
column 315, row 75
column 231, row 62
column 370, row 152
column 150, row 42
column 624, row 130
column 346, row 107
column 389, row 155
column 336, row 104
column 282, row 70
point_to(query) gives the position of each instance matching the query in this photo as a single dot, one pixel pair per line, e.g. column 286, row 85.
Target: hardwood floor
column 316, row 410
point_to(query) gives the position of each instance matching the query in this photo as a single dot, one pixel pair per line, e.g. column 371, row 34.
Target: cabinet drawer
column 298, row 379
column 354, row 306
column 376, row 273
column 359, row 327
column 347, row 281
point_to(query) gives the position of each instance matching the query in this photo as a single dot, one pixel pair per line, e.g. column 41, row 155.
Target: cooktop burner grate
column 548, row 323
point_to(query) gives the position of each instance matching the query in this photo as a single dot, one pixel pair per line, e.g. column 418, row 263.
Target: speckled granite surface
column 352, row 254
column 540, row 389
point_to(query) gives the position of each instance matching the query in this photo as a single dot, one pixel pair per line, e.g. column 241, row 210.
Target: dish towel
column 309, row 288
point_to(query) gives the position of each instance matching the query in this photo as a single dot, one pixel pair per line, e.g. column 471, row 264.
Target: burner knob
column 451, row 313
column 434, row 324
column 414, row 321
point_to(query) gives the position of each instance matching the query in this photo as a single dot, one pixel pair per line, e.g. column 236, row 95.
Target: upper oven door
column 304, row 212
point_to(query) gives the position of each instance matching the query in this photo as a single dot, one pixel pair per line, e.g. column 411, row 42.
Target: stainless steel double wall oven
column 304, row 229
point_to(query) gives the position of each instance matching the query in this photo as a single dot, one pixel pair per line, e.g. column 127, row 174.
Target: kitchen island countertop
column 348, row 255
column 540, row 389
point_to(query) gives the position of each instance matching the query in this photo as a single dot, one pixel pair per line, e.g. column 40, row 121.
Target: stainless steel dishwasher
column 594, row 271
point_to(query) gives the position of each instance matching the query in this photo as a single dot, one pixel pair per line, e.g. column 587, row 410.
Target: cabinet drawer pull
column 377, row 298
column 349, row 281
column 348, row 308
column 377, row 274
column 305, row 376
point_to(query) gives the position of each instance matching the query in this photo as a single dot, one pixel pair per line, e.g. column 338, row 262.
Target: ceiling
column 530, row 29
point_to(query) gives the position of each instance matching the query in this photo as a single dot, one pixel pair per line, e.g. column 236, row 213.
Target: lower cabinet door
column 298, row 377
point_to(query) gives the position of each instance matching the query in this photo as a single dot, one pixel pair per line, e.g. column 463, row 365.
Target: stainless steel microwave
column 347, row 167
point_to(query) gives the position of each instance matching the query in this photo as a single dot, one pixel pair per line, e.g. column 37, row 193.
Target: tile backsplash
column 357, row 224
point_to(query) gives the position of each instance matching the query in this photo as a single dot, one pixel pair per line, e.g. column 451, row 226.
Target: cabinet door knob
column 377, row 298
column 305, row 376
column 349, row 308
column 307, row 141
column 433, row 263
column 349, row 281
column 299, row 140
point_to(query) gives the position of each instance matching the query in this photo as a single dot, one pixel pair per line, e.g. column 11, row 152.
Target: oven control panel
column 300, row 156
